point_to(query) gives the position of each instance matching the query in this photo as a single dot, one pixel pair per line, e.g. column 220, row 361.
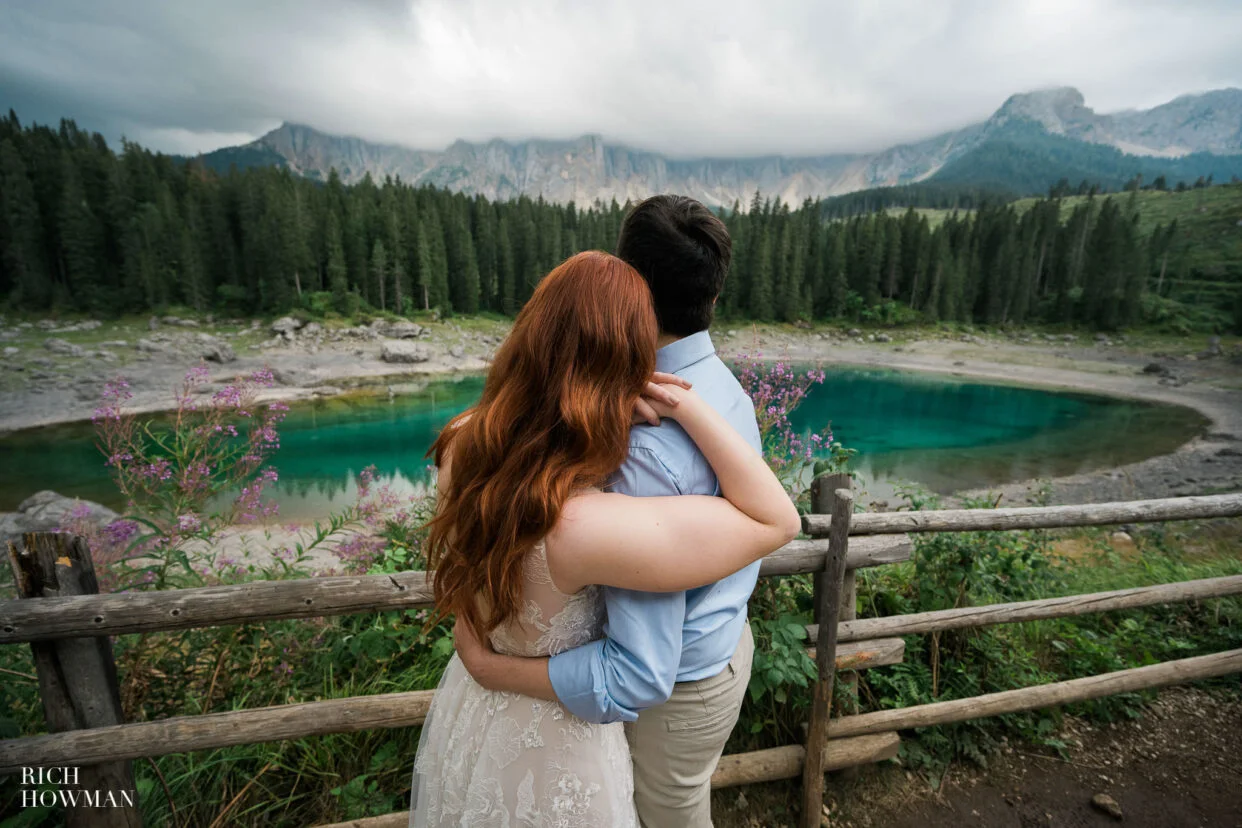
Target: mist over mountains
column 1033, row 140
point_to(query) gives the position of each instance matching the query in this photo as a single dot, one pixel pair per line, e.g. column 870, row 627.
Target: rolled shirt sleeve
column 635, row 665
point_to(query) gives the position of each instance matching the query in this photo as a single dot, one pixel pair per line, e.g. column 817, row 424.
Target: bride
column 524, row 533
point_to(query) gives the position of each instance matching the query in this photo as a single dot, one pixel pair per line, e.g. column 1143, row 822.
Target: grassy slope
column 1206, row 216
column 1209, row 234
column 1207, row 221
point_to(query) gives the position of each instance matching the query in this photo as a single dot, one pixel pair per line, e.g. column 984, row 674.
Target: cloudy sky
column 685, row 78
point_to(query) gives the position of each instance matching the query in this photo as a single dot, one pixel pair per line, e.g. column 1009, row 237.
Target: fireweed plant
column 777, row 389
column 175, row 473
column 781, row 607
column 207, row 467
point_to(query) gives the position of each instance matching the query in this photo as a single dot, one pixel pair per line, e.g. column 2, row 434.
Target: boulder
column 312, row 329
column 286, row 325
column 187, row 323
column 11, row 352
column 403, row 329
column 150, row 346
column 60, row 346
column 48, row 511
column 400, row 351
column 293, row 377
column 883, row 338
column 457, row 352
column 1157, row 368
column 85, row 325
column 217, row 350
column 1213, row 349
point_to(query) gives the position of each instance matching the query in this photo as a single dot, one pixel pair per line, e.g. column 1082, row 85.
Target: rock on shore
column 47, row 511
column 398, row 350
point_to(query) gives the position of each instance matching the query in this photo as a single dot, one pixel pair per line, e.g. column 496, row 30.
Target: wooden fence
column 67, row 625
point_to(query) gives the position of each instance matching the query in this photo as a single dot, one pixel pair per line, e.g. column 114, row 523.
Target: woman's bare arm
column 666, row 544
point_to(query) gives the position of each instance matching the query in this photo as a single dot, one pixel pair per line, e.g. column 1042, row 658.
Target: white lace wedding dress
column 504, row 760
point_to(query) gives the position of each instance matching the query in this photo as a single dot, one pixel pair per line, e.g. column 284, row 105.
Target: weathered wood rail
column 69, row 623
column 183, row 609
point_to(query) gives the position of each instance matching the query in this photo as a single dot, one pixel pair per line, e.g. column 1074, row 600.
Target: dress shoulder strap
column 537, row 568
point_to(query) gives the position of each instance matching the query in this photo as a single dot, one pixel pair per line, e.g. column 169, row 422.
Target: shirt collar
column 683, row 353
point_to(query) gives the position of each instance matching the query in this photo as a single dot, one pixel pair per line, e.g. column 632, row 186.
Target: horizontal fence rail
column 1045, row 695
column 216, row 730
column 1037, row 610
column 1034, row 517
column 289, row 721
column 181, row 609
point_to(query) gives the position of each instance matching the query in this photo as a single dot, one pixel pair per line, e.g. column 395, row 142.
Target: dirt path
column 1175, row 767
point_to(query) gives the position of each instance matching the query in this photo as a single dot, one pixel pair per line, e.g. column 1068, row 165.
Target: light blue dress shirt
column 653, row 640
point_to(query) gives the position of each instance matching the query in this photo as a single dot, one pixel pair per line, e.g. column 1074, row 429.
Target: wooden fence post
column 821, row 503
column 77, row 676
column 822, row 488
column 828, row 607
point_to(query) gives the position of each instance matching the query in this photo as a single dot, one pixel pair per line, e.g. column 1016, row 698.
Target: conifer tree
column 379, row 271
column 337, row 271
column 22, row 232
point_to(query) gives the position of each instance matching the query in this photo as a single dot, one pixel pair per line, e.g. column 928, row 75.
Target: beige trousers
column 676, row 745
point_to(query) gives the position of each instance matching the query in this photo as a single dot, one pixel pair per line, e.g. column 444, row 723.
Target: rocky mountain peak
column 1061, row 111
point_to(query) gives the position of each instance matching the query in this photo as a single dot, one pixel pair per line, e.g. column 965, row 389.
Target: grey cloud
column 730, row 77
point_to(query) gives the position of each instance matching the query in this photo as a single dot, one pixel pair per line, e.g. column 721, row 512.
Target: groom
column 673, row 666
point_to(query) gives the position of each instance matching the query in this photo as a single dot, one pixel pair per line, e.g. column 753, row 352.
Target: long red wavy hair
column 554, row 418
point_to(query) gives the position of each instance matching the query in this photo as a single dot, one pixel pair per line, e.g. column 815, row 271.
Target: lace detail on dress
column 572, row 620
column 504, row 760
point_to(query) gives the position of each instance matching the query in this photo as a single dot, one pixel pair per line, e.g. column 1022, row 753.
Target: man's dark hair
column 683, row 250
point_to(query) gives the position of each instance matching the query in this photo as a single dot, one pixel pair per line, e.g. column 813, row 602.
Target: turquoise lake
column 938, row 431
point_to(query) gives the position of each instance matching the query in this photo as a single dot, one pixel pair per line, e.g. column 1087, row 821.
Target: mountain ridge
column 589, row 168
